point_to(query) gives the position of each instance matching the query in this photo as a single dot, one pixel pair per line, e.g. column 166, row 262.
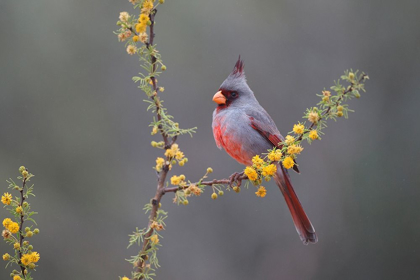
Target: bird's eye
column 234, row 94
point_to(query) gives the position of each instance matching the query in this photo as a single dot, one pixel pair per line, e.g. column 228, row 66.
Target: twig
column 22, row 198
column 323, row 114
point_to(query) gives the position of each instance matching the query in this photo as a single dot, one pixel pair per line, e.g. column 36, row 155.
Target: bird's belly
column 235, row 149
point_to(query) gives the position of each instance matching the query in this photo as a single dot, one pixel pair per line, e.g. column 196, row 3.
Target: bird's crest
column 238, row 70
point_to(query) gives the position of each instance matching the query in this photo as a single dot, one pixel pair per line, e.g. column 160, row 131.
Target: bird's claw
column 236, row 177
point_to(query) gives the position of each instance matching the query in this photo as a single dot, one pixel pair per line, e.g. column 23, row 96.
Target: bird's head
column 234, row 91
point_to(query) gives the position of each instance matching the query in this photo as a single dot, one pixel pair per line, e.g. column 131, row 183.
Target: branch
column 22, row 199
column 350, row 89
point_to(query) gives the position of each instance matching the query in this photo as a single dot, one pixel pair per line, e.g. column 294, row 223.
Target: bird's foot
column 236, row 178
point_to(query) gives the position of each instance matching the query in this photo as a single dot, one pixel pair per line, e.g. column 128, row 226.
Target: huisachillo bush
column 20, row 227
column 137, row 31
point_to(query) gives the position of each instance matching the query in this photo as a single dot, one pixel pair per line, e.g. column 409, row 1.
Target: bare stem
column 22, row 199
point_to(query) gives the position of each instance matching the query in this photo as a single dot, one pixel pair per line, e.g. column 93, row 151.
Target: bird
column 244, row 129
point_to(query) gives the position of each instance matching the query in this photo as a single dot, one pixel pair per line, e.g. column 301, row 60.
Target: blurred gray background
column 70, row 113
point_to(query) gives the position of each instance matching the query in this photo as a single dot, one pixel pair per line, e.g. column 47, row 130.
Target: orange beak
column 219, row 98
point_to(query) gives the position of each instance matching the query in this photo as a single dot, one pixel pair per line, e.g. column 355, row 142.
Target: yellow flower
column 159, row 164
column 26, row 259
column 19, row 209
column 148, row 5
column 294, row 149
column 16, row 246
column 175, row 180
column 261, row 192
column 6, row 257
column 7, row 222
column 289, row 140
column 269, row 170
column 257, row 161
column 141, row 27
column 179, row 155
column 154, row 238
column 136, row 39
column 275, row 155
column 313, row 117
column 34, row 257
column 251, row 173
column 298, row 128
column 131, row 49
column 288, row 162
column 313, row 134
column 13, row 227
column 17, row 277
column 143, row 18
column 6, row 198
column 125, row 278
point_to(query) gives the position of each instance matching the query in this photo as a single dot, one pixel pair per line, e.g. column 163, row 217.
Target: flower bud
column 16, row 246
column 340, row 108
column 31, row 265
column 27, row 229
column 163, row 67
column 339, row 113
column 30, row 247
column 6, row 257
column 22, row 168
column 185, row 202
column 36, row 231
column 236, row 189
column 356, row 94
column 213, row 196
column 29, row 234
column 221, row 193
column 25, row 204
column 25, row 243
column 149, row 22
column 209, row 170
column 25, row 174
column 351, row 75
column 161, row 1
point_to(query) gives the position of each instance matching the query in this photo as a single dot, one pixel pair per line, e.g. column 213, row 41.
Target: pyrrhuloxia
column 244, row 129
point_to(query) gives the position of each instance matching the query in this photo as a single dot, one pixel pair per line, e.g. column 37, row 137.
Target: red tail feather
column 303, row 226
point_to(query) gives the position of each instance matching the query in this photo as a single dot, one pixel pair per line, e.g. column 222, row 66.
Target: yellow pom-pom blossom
column 13, row 227
column 17, row 277
column 251, row 173
column 179, row 155
column 136, row 38
column 19, row 209
column 159, row 164
column 176, row 180
column 6, row 198
column 125, row 278
column 313, row 134
column 289, row 140
column 298, row 128
column 288, row 162
column 261, row 192
column 294, row 149
column 313, row 117
column 275, row 155
column 143, row 18
column 257, row 161
column 148, row 5
column 34, row 257
column 141, row 27
column 269, row 170
column 16, row 246
column 154, row 238
column 124, row 16
column 26, row 259
column 7, row 222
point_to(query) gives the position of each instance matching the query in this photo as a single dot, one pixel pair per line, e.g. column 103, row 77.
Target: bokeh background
column 70, row 113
